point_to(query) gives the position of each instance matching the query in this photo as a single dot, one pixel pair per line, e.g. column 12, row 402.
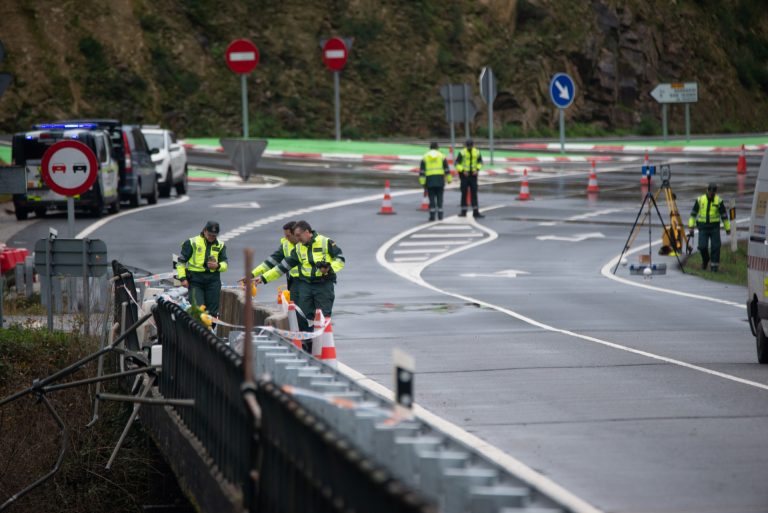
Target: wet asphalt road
column 629, row 397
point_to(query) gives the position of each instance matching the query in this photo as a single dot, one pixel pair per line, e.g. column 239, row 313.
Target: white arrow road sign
column 508, row 273
column 562, row 91
column 245, row 204
column 576, row 238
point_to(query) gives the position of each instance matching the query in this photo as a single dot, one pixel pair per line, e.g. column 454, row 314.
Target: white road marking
column 444, row 235
column 411, row 259
column 508, row 273
column 98, row 224
column 432, row 243
column 419, row 251
column 595, row 214
column 451, row 227
column 572, row 238
column 243, row 204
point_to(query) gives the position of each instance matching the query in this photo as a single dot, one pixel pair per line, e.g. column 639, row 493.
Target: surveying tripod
column 673, row 235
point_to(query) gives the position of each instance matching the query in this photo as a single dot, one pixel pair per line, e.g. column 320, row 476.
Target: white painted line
column 444, row 235
column 595, row 214
column 432, row 243
column 98, row 224
column 452, row 227
column 419, row 251
column 410, row 259
column 242, row 56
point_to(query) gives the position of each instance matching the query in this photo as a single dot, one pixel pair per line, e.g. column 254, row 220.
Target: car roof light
column 65, row 126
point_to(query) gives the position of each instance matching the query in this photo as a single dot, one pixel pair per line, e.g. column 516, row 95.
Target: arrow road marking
column 244, row 204
column 508, row 273
column 563, row 91
column 576, row 238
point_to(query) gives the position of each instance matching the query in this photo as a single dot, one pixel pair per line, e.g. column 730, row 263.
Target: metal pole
column 248, row 318
column 490, row 112
column 244, row 90
column 664, row 121
column 337, row 105
column 2, row 289
column 49, row 277
column 562, row 131
column 466, row 111
column 70, row 217
column 687, row 122
column 86, row 295
column 450, row 117
column 732, row 216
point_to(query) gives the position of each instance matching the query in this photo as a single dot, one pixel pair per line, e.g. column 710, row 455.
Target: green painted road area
column 5, row 154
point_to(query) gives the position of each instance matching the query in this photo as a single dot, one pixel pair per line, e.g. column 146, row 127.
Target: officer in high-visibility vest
column 287, row 243
column 318, row 260
column 433, row 174
column 706, row 214
column 203, row 258
column 469, row 162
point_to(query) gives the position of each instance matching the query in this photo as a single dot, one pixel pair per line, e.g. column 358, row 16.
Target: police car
column 27, row 150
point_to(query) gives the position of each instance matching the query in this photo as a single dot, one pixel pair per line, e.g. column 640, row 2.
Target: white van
column 757, row 264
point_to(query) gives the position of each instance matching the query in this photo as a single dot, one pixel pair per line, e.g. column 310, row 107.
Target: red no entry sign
column 335, row 54
column 242, row 56
column 69, row 167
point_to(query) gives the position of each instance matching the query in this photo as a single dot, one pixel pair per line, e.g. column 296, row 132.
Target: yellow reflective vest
column 433, row 169
column 469, row 161
column 283, row 252
column 306, row 257
column 706, row 211
column 196, row 251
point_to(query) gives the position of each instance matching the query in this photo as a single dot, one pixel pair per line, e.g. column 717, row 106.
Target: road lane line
column 101, row 222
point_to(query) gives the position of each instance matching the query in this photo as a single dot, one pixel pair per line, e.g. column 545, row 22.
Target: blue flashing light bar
column 64, row 126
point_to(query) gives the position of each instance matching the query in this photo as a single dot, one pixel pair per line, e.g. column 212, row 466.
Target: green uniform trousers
column 205, row 288
column 709, row 232
column 311, row 297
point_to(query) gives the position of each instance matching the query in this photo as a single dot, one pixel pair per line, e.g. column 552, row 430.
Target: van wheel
column 182, row 186
column 135, row 198
column 40, row 211
column 762, row 344
column 114, row 208
column 165, row 187
column 21, row 213
column 152, row 199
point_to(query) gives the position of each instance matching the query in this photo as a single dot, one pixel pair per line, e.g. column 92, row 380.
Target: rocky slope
column 162, row 62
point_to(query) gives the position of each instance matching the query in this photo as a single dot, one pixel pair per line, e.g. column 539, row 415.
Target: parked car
column 138, row 178
column 27, row 150
column 170, row 159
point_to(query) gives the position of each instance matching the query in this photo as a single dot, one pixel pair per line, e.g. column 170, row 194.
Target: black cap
column 712, row 187
column 212, row 226
column 470, row 143
column 433, row 145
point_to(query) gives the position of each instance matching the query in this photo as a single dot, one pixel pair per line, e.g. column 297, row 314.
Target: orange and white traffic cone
column 328, row 353
column 293, row 323
column 317, row 342
column 592, row 184
column 424, row 201
column 386, row 205
column 524, row 192
column 741, row 166
column 646, row 170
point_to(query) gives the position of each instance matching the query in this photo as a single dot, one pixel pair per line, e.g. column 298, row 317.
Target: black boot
column 477, row 215
column 463, row 213
column 439, row 215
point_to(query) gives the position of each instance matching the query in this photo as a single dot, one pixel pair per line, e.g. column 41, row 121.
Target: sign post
column 242, row 58
column 335, row 56
column 681, row 92
column 562, row 90
column 69, row 168
column 488, row 91
column 459, row 107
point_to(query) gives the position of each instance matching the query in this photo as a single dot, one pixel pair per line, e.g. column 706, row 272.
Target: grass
column 733, row 266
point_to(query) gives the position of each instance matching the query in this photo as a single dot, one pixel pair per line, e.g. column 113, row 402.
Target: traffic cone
column 293, row 323
column 645, row 170
column 424, row 201
column 524, row 193
column 741, row 166
column 328, row 352
column 592, row 184
column 386, row 205
column 317, row 342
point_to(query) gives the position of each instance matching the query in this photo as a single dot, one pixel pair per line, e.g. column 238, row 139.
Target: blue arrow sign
column 562, row 90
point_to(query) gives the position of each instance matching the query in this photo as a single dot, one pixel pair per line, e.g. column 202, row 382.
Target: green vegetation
column 733, row 266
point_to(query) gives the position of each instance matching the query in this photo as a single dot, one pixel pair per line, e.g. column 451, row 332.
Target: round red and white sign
column 69, row 167
column 335, row 54
column 242, row 56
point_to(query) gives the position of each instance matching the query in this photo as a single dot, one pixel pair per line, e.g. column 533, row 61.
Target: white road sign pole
column 337, row 104
column 450, row 121
column 562, row 131
column 466, row 111
column 687, row 122
column 70, row 217
column 664, row 120
column 244, row 90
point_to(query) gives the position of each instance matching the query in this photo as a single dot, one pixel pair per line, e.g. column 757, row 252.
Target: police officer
column 468, row 164
column 318, row 259
column 203, row 258
column 287, row 243
column 433, row 174
column 706, row 214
